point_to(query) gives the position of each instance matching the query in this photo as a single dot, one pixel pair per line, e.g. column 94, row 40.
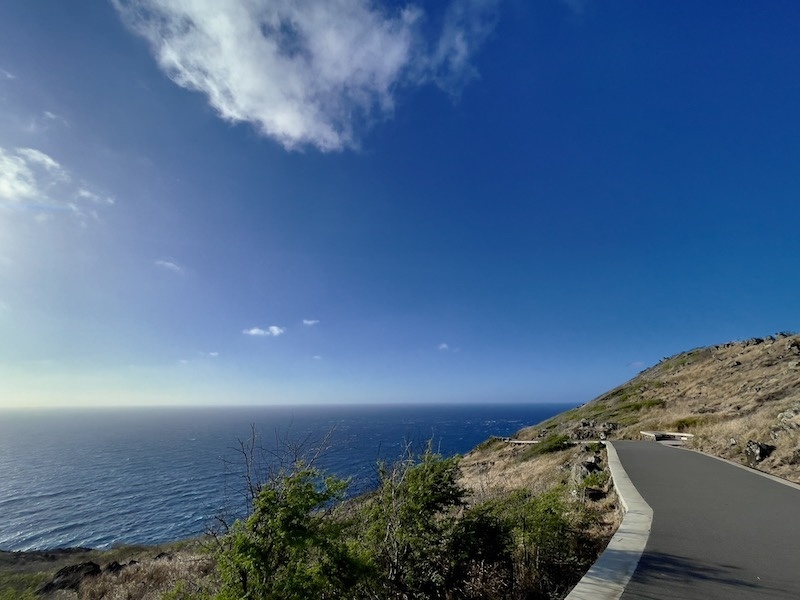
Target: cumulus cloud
column 306, row 72
column 169, row 265
column 310, row 322
column 271, row 331
column 32, row 181
column 443, row 347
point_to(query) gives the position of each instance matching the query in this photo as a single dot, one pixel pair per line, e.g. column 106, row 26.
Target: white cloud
column 37, row 157
column 51, row 116
column 96, row 198
column 271, row 331
column 310, row 322
column 305, row 72
column 467, row 24
column 317, row 357
column 169, row 265
column 35, row 182
column 443, row 347
column 6, row 75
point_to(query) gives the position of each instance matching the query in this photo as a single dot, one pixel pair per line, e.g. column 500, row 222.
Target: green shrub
column 552, row 443
column 551, row 547
column 687, row 423
column 411, row 524
column 288, row 548
column 491, row 444
column 598, row 479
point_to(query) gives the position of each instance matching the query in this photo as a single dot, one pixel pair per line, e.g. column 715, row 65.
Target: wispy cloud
column 271, row 331
column 306, row 72
column 6, row 75
column 310, row 322
column 33, row 181
column 85, row 194
column 443, row 347
column 40, row 123
column 317, row 357
column 169, row 265
column 51, row 116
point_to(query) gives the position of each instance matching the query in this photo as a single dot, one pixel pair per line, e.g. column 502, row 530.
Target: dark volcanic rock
column 114, row 567
column 164, row 556
column 755, row 452
column 70, row 578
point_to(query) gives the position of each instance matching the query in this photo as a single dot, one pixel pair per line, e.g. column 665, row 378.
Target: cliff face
column 725, row 395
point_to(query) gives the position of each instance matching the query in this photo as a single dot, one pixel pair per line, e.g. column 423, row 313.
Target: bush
column 552, row 443
column 551, row 550
column 411, row 524
column 289, row 548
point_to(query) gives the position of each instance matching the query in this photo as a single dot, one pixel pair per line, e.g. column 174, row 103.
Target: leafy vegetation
column 552, row 443
column 20, row 586
column 288, row 548
column 415, row 537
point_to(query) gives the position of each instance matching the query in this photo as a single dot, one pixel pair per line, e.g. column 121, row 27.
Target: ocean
column 99, row 478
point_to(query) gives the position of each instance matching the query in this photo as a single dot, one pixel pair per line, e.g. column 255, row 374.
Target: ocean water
column 97, row 478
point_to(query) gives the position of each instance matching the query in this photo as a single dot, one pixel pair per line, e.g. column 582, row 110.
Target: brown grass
column 151, row 579
column 732, row 391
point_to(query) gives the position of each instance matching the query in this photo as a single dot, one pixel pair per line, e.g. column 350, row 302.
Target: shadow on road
column 658, row 572
column 661, row 576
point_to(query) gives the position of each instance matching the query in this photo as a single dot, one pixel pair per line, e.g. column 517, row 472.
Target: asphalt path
column 718, row 531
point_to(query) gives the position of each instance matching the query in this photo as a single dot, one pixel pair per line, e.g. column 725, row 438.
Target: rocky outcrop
column 755, row 452
column 788, row 421
column 592, row 430
column 70, row 578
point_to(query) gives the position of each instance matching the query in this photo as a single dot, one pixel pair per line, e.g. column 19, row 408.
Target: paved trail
column 719, row 532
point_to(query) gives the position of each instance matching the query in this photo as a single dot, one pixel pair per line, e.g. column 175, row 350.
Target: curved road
column 718, row 531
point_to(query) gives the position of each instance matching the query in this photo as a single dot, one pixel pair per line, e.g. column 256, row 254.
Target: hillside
column 725, row 395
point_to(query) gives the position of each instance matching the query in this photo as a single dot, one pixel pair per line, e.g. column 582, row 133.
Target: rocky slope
column 740, row 400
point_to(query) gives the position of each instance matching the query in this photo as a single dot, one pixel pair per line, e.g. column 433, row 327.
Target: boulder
column 594, row 494
column 164, row 556
column 114, row 567
column 70, row 578
column 756, row 452
column 578, row 473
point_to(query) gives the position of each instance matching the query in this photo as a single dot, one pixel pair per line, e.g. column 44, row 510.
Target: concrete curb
column 607, row 578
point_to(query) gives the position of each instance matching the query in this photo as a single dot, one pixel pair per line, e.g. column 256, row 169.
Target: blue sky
column 474, row 200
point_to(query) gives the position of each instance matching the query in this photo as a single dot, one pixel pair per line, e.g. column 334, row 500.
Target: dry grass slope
column 725, row 395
